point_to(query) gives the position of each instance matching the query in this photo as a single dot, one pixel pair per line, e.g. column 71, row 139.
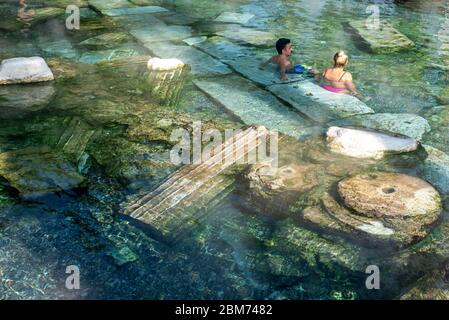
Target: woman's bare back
column 337, row 77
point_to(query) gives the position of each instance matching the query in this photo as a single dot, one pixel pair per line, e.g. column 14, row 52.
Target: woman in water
column 338, row 80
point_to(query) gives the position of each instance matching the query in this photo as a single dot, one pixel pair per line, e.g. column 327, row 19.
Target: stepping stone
column 122, row 254
column 435, row 168
column 159, row 32
column 38, row 15
column 224, row 49
column 293, row 241
column 59, row 48
column 200, row 62
column 194, row 40
column 406, row 124
column 248, row 35
column 432, row 286
column 94, row 57
column 107, row 40
column 249, row 67
column 131, row 11
column 438, row 118
column 102, row 5
column 145, row 22
column 165, row 79
column 232, row 17
column 38, row 171
column 367, row 144
column 17, row 101
column 137, row 62
column 146, row 2
column 178, row 204
column 385, row 39
column 245, row 61
column 317, row 103
column 24, row 70
column 272, row 190
column 253, row 105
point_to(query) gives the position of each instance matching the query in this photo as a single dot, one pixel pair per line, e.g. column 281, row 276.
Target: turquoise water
column 120, row 144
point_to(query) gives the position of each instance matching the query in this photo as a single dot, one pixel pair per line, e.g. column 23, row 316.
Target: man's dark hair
column 281, row 44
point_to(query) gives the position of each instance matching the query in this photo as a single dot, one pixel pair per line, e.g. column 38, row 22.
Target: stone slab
column 253, row 105
column 317, row 103
column 384, row 39
column 133, row 11
column 406, row 124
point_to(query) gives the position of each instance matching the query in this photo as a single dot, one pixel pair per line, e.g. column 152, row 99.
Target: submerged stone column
column 165, row 79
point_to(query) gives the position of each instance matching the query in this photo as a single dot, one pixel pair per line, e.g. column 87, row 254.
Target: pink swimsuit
column 333, row 89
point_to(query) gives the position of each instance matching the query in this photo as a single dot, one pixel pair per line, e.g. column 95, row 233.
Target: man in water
column 285, row 50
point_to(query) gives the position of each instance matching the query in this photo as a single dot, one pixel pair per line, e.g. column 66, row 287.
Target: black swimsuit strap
column 344, row 72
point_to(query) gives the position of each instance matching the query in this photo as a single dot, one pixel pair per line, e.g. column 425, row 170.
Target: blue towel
column 298, row 69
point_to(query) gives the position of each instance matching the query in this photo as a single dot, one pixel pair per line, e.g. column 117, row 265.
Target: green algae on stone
column 234, row 17
column 59, row 3
column 432, row 286
column 158, row 32
column 273, row 190
column 435, row 168
column 318, row 103
column 59, row 48
column 134, row 11
column 18, row 101
column 295, row 241
column 103, row 5
column 147, row 2
column 385, row 39
column 248, row 35
column 93, row 57
column 38, row 171
column 39, row 15
column 5, row 199
column 261, row 108
column 106, row 40
column 204, row 8
column 438, row 118
column 75, row 138
column 64, row 68
column 136, row 165
column 122, row 254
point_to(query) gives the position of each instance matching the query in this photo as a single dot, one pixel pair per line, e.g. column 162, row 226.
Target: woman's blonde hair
column 340, row 59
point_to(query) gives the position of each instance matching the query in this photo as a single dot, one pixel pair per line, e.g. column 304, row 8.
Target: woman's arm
column 349, row 84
